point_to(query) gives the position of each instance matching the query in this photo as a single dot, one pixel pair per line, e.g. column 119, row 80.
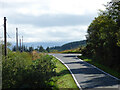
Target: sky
column 49, row 20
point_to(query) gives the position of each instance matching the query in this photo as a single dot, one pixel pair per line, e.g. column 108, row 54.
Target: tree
column 48, row 49
column 118, row 38
column 25, row 48
column 14, row 48
column 31, row 49
column 113, row 11
column 41, row 49
column 103, row 38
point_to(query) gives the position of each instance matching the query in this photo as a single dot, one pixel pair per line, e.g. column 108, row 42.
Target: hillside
column 71, row 45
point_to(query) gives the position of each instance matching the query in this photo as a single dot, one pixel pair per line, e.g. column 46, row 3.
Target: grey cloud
column 12, row 5
column 51, row 20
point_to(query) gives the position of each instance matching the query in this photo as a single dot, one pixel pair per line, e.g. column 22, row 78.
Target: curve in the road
column 86, row 75
column 71, row 73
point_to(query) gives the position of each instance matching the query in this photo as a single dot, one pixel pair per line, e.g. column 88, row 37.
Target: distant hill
column 71, row 45
column 35, row 44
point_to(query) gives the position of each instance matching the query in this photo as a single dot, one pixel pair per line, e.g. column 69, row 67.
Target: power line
column 8, row 35
column 2, row 25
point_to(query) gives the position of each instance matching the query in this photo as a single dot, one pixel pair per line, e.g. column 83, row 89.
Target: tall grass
column 76, row 50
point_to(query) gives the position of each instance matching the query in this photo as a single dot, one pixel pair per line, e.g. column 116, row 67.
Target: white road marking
column 71, row 73
column 98, row 69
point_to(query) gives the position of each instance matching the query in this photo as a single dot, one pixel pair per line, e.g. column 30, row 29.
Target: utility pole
column 16, row 39
column 22, row 44
column 5, row 37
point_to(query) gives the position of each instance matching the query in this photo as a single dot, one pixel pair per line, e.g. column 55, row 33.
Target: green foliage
column 41, row 49
column 3, row 47
column 54, row 51
column 24, row 48
column 77, row 50
column 31, row 49
column 68, row 46
column 14, row 48
column 20, row 71
column 113, row 11
column 103, row 39
column 118, row 38
column 48, row 49
column 101, row 66
column 63, row 78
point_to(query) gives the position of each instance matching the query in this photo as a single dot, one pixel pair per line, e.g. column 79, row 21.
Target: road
column 88, row 76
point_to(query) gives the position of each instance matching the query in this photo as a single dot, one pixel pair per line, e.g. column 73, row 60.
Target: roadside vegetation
column 103, row 37
column 63, row 78
column 103, row 40
column 20, row 71
column 68, row 46
column 34, row 70
column 101, row 66
column 77, row 50
column 30, row 49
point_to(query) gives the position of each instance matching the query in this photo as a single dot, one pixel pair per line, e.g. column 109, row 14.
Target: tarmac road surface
column 86, row 75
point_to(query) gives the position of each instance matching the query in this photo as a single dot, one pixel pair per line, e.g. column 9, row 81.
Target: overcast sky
column 49, row 20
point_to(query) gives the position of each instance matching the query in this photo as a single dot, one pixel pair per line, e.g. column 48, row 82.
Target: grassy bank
column 101, row 66
column 34, row 70
column 63, row 78
column 72, row 51
column 76, row 50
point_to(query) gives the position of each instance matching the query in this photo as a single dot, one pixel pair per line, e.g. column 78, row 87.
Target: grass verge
column 63, row 78
column 102, row 67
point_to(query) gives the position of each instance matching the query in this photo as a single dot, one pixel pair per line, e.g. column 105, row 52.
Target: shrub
column 20, row 71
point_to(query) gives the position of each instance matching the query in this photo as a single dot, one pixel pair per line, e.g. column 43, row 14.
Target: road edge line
column 100, row 69
column 70, row 72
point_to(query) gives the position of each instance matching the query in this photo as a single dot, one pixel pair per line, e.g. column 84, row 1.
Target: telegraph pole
column 16, row 39
column 5, row 37
column 22, row 44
